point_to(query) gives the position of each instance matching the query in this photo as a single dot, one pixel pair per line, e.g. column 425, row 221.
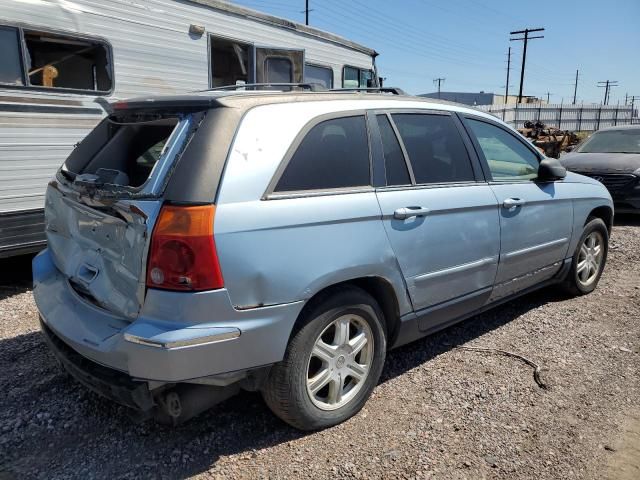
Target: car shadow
column 15, row 275
column 626, row 220
column 57, row 418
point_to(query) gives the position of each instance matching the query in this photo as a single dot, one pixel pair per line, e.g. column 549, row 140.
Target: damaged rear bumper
column 178, row 336
column 105, row 381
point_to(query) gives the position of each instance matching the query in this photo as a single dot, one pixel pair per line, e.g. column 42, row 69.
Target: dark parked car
column 612, row 156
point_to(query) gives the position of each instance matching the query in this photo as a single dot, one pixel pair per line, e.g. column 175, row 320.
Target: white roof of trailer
column 283, row 23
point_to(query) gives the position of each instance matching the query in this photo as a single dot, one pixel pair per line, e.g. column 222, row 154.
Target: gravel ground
column 438, row 412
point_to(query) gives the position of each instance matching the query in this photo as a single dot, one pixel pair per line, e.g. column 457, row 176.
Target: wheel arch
column 379, row 288
column 603, row 212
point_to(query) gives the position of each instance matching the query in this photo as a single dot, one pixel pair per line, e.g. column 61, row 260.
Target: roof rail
column 394, row 90
column 312, row 87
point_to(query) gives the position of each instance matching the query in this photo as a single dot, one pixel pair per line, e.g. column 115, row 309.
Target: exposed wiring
column 537, row 369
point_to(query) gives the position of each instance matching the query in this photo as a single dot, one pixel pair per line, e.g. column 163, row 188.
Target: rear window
column 334, row 154
column 435, row 148
column 128, row 149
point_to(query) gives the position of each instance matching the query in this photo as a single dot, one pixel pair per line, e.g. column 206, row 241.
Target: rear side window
column 435, row 148
column 395, row 166
column 334, row 154
column 10, row 66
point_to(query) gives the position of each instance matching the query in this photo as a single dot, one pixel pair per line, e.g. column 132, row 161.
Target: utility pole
column 438, row 81
column 626, row 98
column 607, row 84
column 575, row 88
column 306, row 12
column 548, row 95
column 506, row 87
column 526, row 38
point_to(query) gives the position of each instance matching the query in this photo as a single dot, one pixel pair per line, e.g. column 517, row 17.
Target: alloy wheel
column 340, row 362
column 590, row 258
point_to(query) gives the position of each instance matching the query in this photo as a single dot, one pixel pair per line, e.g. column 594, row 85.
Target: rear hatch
column 101, row 208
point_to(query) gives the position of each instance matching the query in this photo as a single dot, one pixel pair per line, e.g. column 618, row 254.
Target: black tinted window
column 334, row 154
column 435, row 148
column 395, row 166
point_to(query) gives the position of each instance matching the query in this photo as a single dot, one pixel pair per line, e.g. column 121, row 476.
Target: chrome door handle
column 408, row 212
column 513, row 202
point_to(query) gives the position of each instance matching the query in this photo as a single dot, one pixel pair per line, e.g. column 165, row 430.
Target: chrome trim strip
column 534, row 248
column 457, row 269
column 216, row 337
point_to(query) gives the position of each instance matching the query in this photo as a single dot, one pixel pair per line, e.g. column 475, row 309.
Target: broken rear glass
column 130, row 153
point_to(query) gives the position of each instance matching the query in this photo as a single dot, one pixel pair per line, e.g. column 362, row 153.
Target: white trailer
column 63, row 60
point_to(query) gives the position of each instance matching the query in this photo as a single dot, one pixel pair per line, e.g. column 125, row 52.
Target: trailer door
column 279, row 65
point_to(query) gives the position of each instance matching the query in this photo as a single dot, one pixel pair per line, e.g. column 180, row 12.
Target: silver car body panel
column 453, row 249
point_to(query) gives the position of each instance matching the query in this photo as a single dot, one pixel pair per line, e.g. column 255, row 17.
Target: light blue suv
column 285, row 241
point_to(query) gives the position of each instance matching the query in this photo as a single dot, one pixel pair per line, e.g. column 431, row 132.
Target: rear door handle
column 408, row 212
column 513, row 202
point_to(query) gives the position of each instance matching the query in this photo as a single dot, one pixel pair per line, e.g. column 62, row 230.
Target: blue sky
column 466, row 41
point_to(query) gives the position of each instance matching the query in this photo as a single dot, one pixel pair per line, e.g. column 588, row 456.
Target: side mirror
column 551, row 169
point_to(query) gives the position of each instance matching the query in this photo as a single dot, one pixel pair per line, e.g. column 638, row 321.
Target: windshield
column 613, row 141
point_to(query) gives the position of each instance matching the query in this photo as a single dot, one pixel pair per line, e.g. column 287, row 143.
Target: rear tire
column 589, row 259
column 332, row 363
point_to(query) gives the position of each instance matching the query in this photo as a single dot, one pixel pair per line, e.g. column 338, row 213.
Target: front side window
column 334, row 154
column 319, row 75
column 11, row 64
column 435, row 148
column 508, row 157
column 56, row 61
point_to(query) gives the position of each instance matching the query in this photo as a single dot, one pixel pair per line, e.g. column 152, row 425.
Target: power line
column 438, row 81
column 526, row 38
column 371, row 28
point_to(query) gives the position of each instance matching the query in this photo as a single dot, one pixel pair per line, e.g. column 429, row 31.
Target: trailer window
column 229, row 62
column 10, row 67
column 278, row 70
column 319, row 75
column 57, row 61
column 353, row 77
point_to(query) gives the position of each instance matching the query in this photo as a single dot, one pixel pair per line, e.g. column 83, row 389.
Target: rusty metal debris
column 549, row 140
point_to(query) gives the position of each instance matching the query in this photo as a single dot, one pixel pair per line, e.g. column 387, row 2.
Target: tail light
column 183, row 251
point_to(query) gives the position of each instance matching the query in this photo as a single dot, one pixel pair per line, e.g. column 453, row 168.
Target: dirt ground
column 438, row 412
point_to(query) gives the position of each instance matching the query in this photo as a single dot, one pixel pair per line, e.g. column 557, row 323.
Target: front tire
column 332, row 363
column 589, row 258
